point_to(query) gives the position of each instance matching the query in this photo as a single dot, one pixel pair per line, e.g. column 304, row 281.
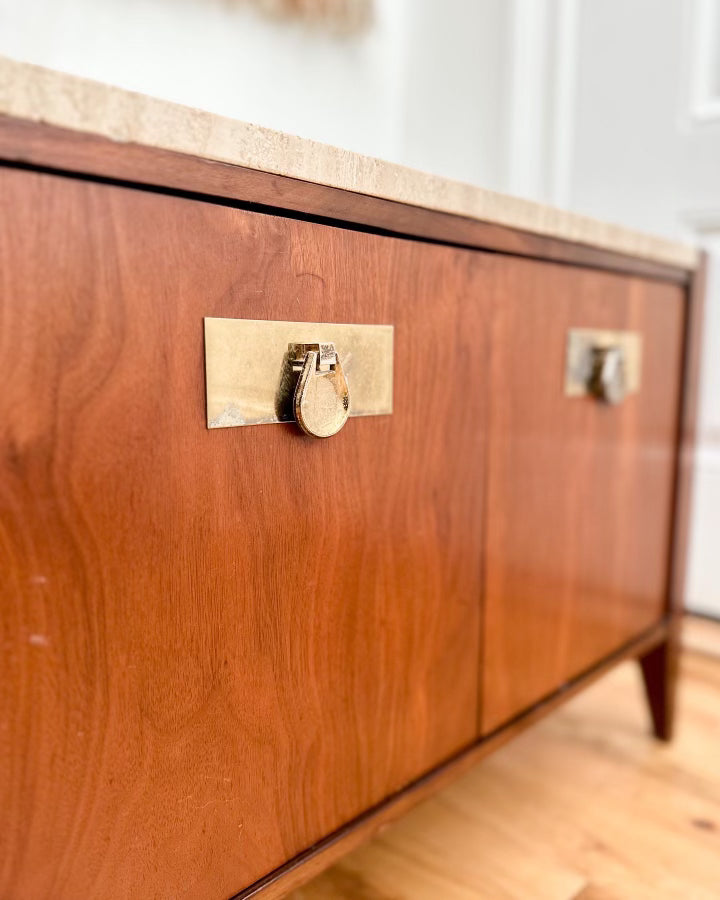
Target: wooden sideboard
column 230, row 655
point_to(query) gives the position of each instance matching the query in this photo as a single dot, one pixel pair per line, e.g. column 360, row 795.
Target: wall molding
column 704, row 59
column 528, row 97
column 565, row 93
column 543, row 49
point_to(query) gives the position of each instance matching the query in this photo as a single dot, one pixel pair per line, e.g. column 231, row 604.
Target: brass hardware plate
column 249, row 372
column 582, row 344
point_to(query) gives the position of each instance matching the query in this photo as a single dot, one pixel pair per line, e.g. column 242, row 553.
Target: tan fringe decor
column 346, row 16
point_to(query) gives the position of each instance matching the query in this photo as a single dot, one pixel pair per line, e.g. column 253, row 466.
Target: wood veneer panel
column 579, row 494
column 220, row 645
column 311, row 863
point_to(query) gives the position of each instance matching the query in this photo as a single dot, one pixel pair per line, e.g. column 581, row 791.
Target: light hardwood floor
column 585, row 805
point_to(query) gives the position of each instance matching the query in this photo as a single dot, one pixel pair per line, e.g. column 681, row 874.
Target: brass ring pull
column 607, row 379
column 321, row 402
column 604, row 364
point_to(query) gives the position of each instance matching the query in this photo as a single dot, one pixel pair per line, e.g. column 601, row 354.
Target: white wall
column 423, row 85
column 627, row 149
column 610, row 107
column 453, row 114
column 226, row 57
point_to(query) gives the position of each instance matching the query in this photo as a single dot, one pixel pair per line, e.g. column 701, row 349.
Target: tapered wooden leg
column 660, row 669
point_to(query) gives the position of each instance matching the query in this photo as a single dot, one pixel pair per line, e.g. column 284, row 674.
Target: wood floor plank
column 584, row 806
column 702, row 635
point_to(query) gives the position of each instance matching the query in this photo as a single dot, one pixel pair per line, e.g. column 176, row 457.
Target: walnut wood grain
column 579, row 494
column 62, row 149
column 308, row 865
column 220, row 646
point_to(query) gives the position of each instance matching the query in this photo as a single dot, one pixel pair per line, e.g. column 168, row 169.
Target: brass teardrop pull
column 321, row 402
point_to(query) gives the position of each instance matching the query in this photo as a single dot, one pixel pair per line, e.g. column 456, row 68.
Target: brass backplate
column 249, row 374
column 578, row 363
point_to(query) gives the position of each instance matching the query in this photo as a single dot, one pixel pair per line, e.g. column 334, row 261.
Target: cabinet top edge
column 36, row 94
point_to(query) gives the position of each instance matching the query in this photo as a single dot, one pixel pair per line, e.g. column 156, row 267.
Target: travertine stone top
column 38, row 94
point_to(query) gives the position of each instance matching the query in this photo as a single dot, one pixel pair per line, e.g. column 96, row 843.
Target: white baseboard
column 703, row 584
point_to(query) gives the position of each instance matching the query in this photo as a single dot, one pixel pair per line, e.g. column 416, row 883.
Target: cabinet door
column 220, row 645
column 579, row 493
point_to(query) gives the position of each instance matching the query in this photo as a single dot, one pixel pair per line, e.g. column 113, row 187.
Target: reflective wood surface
column 223, row 646
column 219, row 645
column 579, row 493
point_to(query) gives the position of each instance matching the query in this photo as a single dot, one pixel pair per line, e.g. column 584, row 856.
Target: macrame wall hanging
column 338, row 15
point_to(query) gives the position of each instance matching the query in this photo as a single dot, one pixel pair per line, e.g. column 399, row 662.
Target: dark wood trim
column 660, row 666
column 659, row 670
column 46, row 146
column 314, row 860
